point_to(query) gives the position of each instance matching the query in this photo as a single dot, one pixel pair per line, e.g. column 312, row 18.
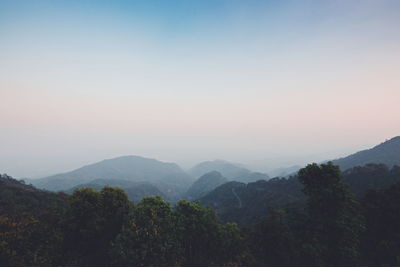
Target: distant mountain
column 205, row 184
column 137, row 192
column 285, row 172
column 252, row 177
column 232, row 172
column 134, row 190
column 387, row 153
column 168, row 177
column 227, row 169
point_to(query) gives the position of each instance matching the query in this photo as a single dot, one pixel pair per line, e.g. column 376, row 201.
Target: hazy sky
column 264, row 83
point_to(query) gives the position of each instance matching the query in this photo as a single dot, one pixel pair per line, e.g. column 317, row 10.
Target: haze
column 265, row 83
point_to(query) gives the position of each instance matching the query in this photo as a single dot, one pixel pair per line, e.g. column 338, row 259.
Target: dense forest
column 337, row 219
column 250, row 203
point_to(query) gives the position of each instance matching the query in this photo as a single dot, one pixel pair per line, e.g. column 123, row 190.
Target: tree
column 92, row 221
column 198, row 233
column 205, row 241
column 26, row 241
column 272, row 242
column 150, row 239
column 232, row 250
column 381, row 241
column 334, row 221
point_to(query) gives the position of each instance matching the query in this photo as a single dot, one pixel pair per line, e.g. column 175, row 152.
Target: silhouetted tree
column 334, row 221
column 272, row 242
column 149, row 239
column 199, row 234
column 381, row 241
column 92, row 221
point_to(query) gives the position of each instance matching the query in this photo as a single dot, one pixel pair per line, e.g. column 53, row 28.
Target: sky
column 268, row 84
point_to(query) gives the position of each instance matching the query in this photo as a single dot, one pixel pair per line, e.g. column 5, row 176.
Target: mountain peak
column 169, row 177
column 387, row 153
column 227, row 169
column 205, row 184
column 394, row 140
column 212, row 174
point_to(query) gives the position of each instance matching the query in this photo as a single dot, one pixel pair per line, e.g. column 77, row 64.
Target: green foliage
column 28, row 242
column 92, row 221
column 232, row 250
column 334, row 221
column 381, row 241
column 29, row 224
column 149, row 239
column 103, row 228
column 256, row 199
column 272, row 241
column 198, row 228
column 205, row 242
column 371, row 176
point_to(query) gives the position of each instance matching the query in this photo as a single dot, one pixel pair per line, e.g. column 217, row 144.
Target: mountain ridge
column 205, row 184
column 231, row 171
column 387, row 153
column 168, row 177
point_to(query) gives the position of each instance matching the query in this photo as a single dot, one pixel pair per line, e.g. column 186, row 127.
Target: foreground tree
column 92, row 221
column 204, row 240
column 333, row 218
column 198, row 230
column 381, row 241
column 150, row 238
column 272, row 243
column 28, row 242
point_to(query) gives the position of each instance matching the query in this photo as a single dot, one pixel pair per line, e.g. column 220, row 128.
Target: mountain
column 205, row 184
column 17, row 198
column 371, row 176
column 137, row 192
column 249, row 204
column 232, row 172
column 168, row 177
column 8, row 181
column 252, row 177
column 134, row 190
column 227, row 169
column 387, row 153
column 285, row 172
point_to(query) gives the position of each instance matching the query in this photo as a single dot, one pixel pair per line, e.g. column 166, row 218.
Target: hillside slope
column 168, row 177
column 205, row 184
column 387, row 153
column 249, row 203
column 233, row 172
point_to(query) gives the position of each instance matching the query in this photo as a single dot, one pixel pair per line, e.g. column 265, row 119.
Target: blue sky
column 266, row 83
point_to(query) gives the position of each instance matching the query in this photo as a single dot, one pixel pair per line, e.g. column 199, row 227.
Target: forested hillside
column 205, row 184
column 231, row 171
column 328, row 225
column 250, row 203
